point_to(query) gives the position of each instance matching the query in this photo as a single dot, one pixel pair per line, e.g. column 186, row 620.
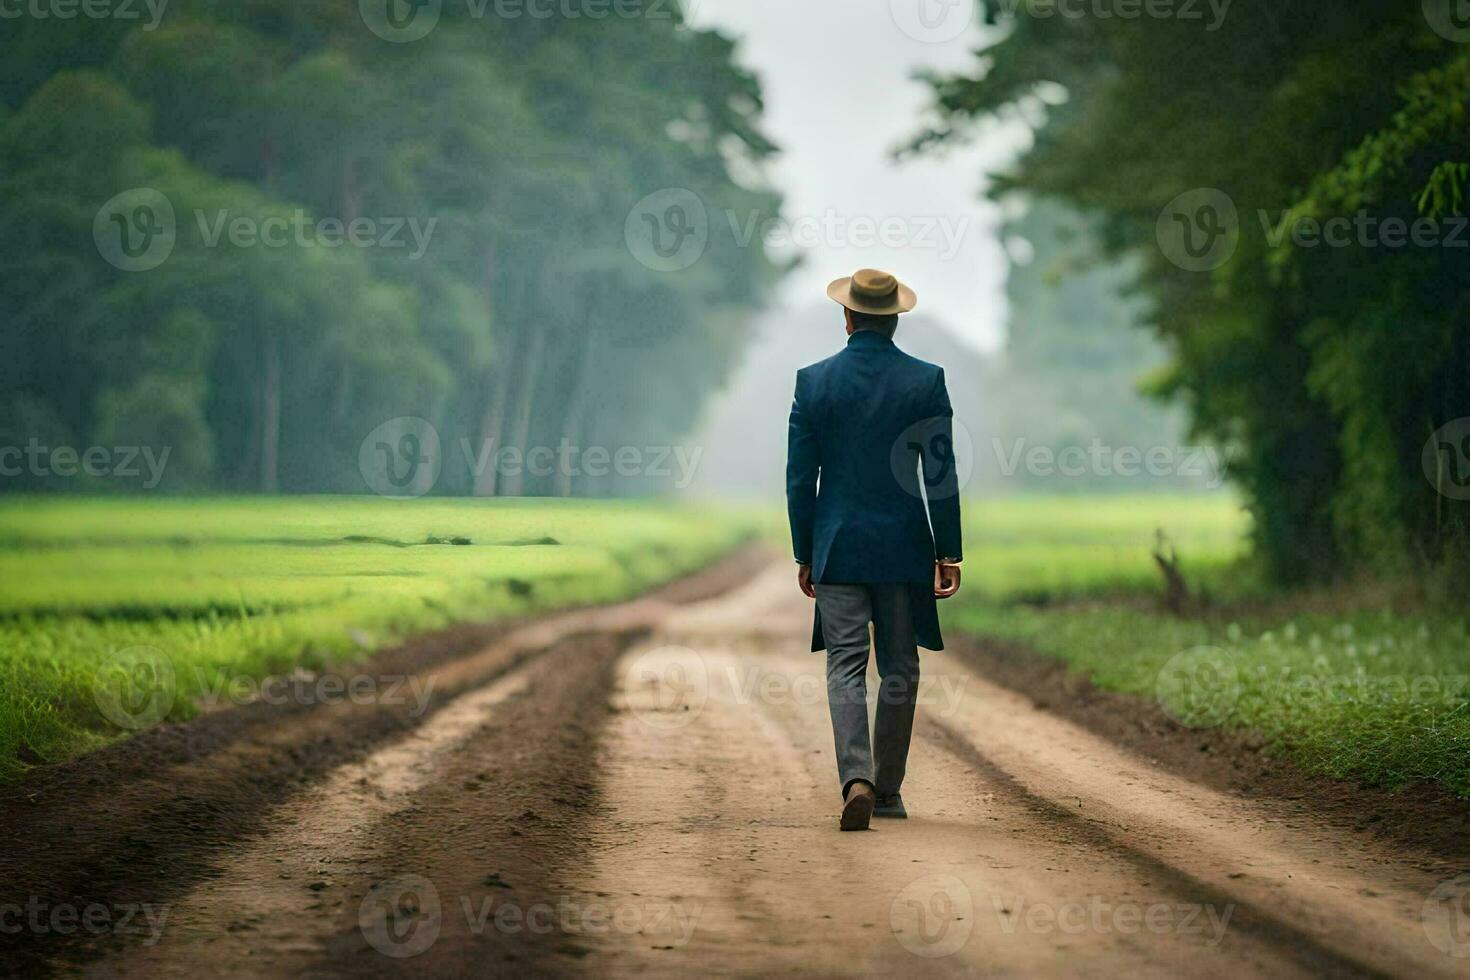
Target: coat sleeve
column 803, row 464
column 941, row 478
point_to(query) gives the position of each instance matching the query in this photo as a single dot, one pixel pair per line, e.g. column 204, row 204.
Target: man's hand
column 804, row 580
column 946, row 580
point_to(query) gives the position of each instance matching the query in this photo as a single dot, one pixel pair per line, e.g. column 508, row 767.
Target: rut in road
column 669, row 806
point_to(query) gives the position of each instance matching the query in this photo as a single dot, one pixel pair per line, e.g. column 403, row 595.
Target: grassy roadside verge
column 117, row 614
column 1354, row 691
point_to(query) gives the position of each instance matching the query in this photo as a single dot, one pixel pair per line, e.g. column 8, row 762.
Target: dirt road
column 650, row 789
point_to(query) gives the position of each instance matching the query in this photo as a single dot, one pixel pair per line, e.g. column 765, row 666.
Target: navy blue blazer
column 869, row 427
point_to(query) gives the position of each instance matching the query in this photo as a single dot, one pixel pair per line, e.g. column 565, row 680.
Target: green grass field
column 99, row 596
column 1357, row 692
column 1035, row 548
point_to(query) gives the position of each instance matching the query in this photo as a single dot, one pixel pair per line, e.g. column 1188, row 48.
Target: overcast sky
column 837, row 77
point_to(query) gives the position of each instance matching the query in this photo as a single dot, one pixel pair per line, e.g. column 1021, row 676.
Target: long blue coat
column 869, row 427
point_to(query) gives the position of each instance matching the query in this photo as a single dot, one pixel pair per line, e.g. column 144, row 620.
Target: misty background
column 1039, row 347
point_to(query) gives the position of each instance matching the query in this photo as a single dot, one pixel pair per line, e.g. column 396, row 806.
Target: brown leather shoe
column 857, row 810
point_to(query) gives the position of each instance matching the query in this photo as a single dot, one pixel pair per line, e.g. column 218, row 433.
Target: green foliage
column 523, row 143
column 232, row 589
column 1335, row 682
column 1369, row 696
column 1444, row 194
column 1037, row 548
column 1324, row 369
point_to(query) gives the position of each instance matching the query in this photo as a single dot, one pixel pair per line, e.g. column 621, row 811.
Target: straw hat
column 871, row 291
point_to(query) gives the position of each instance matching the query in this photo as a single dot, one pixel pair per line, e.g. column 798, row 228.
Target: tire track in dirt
column 163, row 818
column 1054, row 846
column 650, row 789
column 1335, row 900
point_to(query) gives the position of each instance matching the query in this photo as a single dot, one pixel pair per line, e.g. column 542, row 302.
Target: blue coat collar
column 870, row 339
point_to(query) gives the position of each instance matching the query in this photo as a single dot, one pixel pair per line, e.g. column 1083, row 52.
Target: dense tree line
column 489, row 167
column 1326, row 343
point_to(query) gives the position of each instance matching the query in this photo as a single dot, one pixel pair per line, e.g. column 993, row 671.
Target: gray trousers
column 846, row 611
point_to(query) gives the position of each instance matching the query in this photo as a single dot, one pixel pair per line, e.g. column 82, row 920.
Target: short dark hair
column 884, row 323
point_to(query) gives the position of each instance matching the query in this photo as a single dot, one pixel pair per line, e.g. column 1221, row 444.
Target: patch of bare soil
column 138, row 824
column 649, row 789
